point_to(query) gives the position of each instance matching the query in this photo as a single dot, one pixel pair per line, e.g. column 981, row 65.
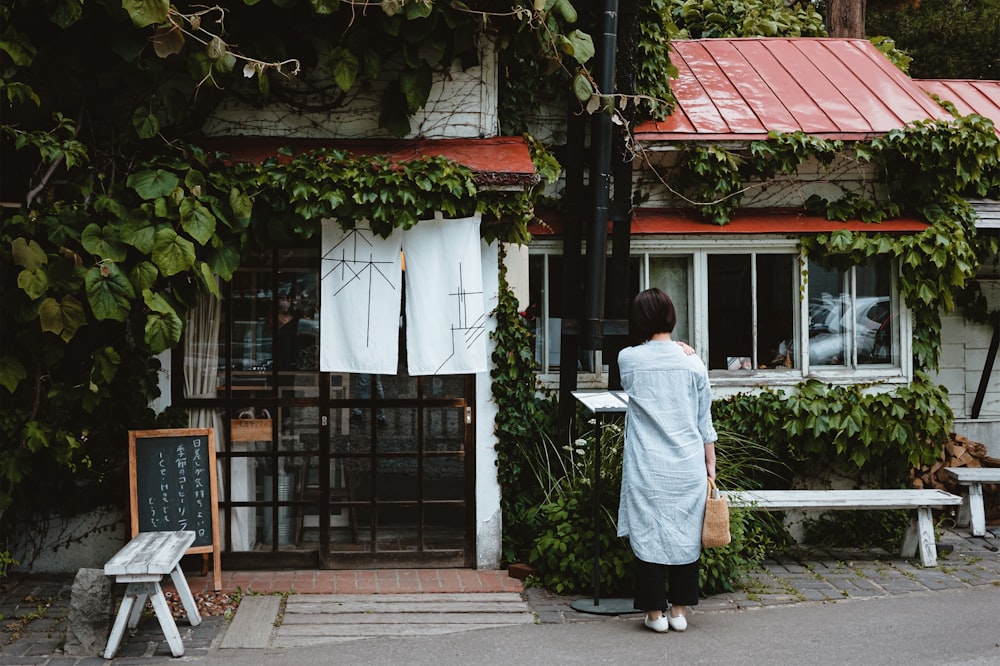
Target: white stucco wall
column 462, row 104
column 66, row 544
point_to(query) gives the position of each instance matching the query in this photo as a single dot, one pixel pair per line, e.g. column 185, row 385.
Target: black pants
column 651, row 582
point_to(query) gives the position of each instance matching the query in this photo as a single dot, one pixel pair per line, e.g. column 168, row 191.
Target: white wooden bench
column 973, row 511
column 141, row 564
column 919, row 535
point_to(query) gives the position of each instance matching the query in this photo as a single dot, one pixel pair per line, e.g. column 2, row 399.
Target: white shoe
column 658, row 625
column 678, row 623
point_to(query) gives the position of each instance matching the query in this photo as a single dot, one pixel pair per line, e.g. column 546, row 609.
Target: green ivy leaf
column 142, row 276
column 139, row 232
column 33, row 282
column 197, row 220
column 581, row 46
column 582, row 88
column 150, row 184
column 416, row 87
column 103, row 242
column 28, row 254
column 172, row 254
column 145, row 123
column 224, row 261
column 63, row 318
column 242, row 206
column 208, row 279
column 146, row 12
column 12, row 372
column 163, row 327
column 344, row 66
column 109, row 292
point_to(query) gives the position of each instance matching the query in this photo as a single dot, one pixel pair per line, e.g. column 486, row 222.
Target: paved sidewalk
column 34, row 608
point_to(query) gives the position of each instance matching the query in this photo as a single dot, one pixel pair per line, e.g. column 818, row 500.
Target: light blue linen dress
column 664, row 480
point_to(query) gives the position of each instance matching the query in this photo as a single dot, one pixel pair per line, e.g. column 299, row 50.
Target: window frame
column 696, row 251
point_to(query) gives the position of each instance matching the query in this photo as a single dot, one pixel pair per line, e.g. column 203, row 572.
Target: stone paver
column 34, row 608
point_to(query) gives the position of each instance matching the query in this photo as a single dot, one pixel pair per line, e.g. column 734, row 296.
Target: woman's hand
column 688, row 349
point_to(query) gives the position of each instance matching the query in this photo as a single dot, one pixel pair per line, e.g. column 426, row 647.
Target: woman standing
column 669, row 455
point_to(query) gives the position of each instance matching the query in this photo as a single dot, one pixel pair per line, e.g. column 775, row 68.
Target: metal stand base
column 605, row 606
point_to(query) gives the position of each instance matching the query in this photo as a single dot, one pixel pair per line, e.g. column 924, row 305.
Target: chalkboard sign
column 172, row 483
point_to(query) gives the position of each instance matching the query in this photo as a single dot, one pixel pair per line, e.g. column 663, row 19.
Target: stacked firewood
column 959, row 451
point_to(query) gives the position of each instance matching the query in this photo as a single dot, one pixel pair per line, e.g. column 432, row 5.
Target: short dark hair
column 652, row 312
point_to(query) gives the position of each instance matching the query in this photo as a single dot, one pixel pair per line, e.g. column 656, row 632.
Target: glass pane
column 671, row 275
column 298, row 427
column 239, row 484
column 730, row 312
column 251, row 359
column 397, row 430
column 444, row 527
column 444, row 429
column 444, row 386
column 776, row 306
column 444, row 478
column 537, row 297
column 397, row 479
column 876, row 332
column 396, row 528
column 278, row 484
column 829, row 325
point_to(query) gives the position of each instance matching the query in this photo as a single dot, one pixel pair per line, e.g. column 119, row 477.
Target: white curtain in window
column 201, row 367
column 445, row 313
column 360, row 287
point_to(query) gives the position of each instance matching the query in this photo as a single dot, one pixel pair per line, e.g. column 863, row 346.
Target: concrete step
column 313, row 619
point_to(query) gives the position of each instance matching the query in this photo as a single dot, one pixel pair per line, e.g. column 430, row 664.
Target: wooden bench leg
column 977, row 512
column 118, row 630
column 137, row 608
column 964, row 516
column 166, row 620
column 187, row 599
column 920, row 535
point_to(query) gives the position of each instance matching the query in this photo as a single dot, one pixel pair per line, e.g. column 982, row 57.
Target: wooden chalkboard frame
column 136, row 438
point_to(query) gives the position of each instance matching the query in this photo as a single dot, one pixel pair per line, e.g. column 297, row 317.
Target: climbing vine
column 926, row 167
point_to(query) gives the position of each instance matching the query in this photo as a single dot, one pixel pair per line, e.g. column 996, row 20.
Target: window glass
column 829, row 327
column 853, row 316
column 751, row 305
column 545, row 311
column 751, row 311
column 876, row 330
column 777, row 301
column 730, row 312
column 671, row 275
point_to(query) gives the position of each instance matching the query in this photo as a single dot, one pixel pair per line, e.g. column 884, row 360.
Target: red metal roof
column 747, row 221
column 968, row 96
column 739, row 89
column 497, row 159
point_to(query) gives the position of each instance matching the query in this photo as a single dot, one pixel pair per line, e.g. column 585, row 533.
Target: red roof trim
column 657, row 221
column 503, row 154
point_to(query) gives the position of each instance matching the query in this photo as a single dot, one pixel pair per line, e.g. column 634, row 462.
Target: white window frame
column 697, row 250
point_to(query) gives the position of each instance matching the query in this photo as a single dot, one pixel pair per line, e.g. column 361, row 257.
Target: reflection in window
column 671, row 275
column 765, row 314
column 853, row 317
column 545, row 312
column 751, row 305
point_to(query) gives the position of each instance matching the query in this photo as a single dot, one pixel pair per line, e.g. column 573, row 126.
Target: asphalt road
column 941, row 628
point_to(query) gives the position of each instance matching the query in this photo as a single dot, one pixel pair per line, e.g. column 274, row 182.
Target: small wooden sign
column 173, row 486
column 250, row 430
